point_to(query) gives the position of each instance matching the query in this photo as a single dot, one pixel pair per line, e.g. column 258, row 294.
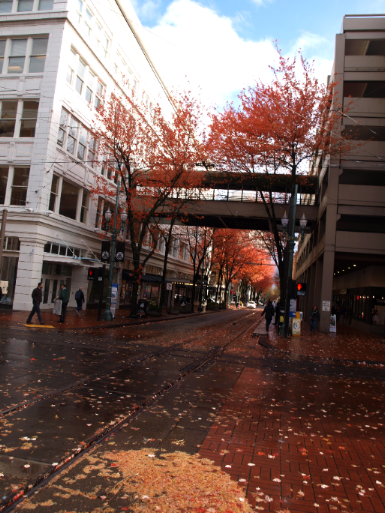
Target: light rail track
column 13, row 499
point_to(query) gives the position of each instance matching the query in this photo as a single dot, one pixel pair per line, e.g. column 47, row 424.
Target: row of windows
column 58, row 249
column 94, row 32
column 7, row 6
column 101, row 43
column 13, row 185
column 69, row 200
column 75, row 138
column 23, row 55
column 18, row 118
column 84, row 81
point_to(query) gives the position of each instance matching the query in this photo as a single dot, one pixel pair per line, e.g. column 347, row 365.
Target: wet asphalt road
column 61, row 391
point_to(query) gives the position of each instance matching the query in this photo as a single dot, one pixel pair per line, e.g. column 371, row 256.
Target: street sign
column 168, row 286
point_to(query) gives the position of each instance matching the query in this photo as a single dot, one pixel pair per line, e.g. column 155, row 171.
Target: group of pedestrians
column 64, row 297
column 269, row 311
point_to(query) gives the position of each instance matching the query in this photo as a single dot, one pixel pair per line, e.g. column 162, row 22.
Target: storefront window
column 8, row 279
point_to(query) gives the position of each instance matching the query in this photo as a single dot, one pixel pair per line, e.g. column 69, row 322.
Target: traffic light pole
column 290, row 254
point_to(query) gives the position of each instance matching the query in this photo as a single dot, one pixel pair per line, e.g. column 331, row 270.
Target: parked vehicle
column 251, row 304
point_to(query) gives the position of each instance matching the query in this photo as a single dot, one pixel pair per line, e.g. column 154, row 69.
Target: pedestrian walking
column 79, row 298
column 268, row 312
column 65, row 297
column 37, row 298
column 314, row 318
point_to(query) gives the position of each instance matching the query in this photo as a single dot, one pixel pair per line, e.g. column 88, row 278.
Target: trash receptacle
column 143, row 307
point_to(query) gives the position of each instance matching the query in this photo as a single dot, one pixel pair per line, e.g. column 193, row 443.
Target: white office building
column 58, row 58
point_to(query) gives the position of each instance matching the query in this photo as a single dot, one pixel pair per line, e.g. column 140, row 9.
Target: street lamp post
column 107, row 314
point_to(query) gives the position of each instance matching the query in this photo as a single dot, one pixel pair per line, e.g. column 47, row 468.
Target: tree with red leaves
column 278, row 129
column 152, row 157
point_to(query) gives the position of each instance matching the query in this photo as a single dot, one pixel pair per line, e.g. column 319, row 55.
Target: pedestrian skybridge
column 237, row 200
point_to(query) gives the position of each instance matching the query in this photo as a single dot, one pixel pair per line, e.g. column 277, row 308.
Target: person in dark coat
column 37, row 298
column 65, row 297
column 79, row 298
column 268, row 312
column 314, row 318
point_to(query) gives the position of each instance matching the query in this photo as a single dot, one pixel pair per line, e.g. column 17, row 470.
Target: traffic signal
column 91, row 274
column 301, row 289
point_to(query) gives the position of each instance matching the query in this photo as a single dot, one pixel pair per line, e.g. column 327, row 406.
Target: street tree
column 276, row 130
column 150, row 156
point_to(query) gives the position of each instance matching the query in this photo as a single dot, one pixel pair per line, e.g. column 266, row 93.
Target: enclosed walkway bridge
column 235, row 200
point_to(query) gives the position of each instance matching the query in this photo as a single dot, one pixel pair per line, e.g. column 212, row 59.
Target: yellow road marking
column 38, row 326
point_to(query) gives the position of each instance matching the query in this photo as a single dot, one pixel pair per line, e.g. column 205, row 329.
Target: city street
column 192, row 414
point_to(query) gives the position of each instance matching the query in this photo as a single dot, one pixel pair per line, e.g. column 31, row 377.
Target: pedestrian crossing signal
column 301, row 289
column 91, row 274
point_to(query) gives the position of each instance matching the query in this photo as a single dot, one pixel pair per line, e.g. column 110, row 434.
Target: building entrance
column 53, row 277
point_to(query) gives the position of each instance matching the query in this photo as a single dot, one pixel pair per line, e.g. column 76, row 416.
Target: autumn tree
column 150, row 156
column 199, row 242
column 278, row 128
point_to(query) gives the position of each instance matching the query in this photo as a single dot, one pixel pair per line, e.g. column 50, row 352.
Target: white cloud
column 195, row 48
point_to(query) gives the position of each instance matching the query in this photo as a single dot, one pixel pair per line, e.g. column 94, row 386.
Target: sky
column 217, row 47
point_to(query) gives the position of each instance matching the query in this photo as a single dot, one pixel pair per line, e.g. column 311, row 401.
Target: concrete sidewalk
column 84, row 320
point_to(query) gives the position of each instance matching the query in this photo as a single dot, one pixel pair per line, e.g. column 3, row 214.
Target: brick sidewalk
column 303, row 443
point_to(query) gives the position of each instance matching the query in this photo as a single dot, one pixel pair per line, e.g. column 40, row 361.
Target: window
column 84, row 209
column 68, row 200
column 82, row 142
column 62, row 127
column 2, row 52
column 8, row 118
column 28, row 119
column 99, row 215
column 20, row 186
column 3, row 183
column 54, row 192
column 79, row 10
column 87, row 22
column 91, row 151
column 17, row 56
column 105, row 44
column 45, row 5
column 99, row 94
column 71, row 67
column 72, row 135
column 80, row 77
column 38, row 54
column 90, row 86
column 24, row 5
column 5, row 6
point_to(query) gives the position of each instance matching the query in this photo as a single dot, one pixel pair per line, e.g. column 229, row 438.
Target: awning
column 131, row 276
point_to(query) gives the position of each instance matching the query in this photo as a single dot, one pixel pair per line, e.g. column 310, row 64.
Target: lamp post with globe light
column 107, row 315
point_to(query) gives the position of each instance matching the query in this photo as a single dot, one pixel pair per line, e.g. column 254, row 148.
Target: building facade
column 58, row 60
column 343, row 259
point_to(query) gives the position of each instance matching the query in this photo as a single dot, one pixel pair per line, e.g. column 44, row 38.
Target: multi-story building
column 58, row 59
column 343, row 259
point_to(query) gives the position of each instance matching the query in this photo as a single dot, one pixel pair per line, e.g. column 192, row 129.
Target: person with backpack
column 79, row 298
column 314, row 318
column 37, row 298
column 65, row 297
column 268, row 312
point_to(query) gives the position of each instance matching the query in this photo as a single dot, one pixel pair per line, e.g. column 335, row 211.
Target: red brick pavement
column 303, row 443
